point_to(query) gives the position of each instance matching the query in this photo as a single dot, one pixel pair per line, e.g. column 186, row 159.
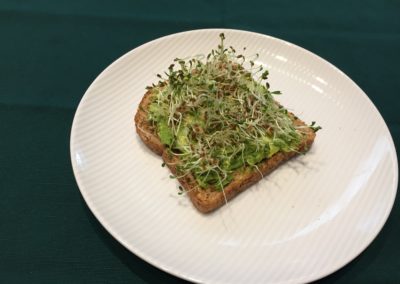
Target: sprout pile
column 219, row 116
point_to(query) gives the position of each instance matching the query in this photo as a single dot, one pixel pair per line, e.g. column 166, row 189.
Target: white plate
column 304, row 221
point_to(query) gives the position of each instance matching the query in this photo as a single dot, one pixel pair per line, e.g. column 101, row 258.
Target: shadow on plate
column 145, row 271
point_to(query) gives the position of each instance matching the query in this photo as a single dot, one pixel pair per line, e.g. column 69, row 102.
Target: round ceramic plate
column 304, row 221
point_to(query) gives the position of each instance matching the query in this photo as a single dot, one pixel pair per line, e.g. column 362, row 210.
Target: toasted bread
column 207, row 200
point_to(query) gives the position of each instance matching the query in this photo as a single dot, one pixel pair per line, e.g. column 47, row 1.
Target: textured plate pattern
column 305, row 220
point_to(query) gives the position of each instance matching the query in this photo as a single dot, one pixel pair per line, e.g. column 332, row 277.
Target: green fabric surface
column 51, row 51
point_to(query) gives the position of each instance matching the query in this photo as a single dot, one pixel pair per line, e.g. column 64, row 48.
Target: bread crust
column 207, row 200
column 145, row 130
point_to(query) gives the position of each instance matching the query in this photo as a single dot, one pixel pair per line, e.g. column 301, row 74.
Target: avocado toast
column 218, row 127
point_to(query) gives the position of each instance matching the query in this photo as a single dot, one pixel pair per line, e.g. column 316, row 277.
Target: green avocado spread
column 218, row 116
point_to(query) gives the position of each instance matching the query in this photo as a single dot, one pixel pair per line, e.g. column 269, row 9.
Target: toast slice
column 218, row 127
column 206, row 200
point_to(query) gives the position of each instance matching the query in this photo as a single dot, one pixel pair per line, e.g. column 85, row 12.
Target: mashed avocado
column 219, row 116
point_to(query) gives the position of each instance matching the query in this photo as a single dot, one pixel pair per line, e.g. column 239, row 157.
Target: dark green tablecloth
column 50, row 53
